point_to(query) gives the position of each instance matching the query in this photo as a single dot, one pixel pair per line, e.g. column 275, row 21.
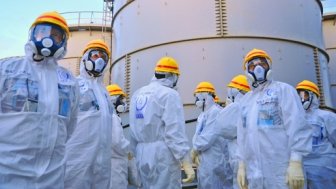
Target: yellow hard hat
column 167, row 64
column 97, row 43
column 255, row 53
column 205, row 87
column 114, row 89
column 308, row 85
column 53, row 18
column 240, row 82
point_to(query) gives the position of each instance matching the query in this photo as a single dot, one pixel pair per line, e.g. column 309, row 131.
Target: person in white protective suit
column 320, row 164
column 38, row 108
column 228, row 120
column 210, row 150
column 120, row 145
column 157, row 130
column 88, row 151
column 272, row 134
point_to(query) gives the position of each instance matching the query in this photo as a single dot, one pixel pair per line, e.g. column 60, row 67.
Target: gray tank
column 209, row 39
column 329, row 29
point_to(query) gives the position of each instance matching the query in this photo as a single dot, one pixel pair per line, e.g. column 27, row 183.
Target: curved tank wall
column 85, row 26
column 210, row 38
column 329, row 28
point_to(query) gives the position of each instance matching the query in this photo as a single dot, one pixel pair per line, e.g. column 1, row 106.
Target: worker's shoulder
column 10, row 61
column 13, row 65
column 158, row 90
column 281, row 84
column 326, row 112
column 162, row 90
column 65, row 70
column 64, row 75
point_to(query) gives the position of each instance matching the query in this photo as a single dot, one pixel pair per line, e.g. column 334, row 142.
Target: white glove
column 241, row 176
column 189, row 171
column 294, row 177
column 195, row 157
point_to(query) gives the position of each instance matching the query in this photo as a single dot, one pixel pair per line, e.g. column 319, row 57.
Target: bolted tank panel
column 145, row 23
column 298, row 20
column 200, row 64
column 210, row 38
column 329, row 28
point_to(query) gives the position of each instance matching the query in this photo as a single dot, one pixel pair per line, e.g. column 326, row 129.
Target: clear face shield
column 49, row 40
column 306, row 98
column 96, row 62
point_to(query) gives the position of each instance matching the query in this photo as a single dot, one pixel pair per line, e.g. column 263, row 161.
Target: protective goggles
column 257, row 61
column 41, row 31
column 97, row 53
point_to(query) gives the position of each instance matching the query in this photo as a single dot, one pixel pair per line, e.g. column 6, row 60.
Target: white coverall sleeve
column 74, row 111
column 208, row 136
column 133, row 141
column 331, row 127
column 119, row 142
column 173, row 118
column 240, row 138
column 227, row 121
column 297, row 129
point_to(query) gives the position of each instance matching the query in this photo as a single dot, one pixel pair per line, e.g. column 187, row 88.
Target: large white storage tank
column 210, row 38
column 85, row 26
column 329, row 32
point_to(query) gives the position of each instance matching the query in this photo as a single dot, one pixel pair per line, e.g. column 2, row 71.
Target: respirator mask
column 119, row 103
column 306, row 98
column 258, row 70
column 201, row 99
column 47, row 40
column 96, row 62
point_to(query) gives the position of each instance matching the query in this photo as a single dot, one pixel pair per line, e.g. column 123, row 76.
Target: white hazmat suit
column 228, row 120
column 38, row 111
column 272, row 132
column 320, row 164
column 119, row 161
column 158, row 136
column 214, row 170
column 88, row 152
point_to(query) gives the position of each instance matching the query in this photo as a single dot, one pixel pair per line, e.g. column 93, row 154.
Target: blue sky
column 16, row 16
column 329, row 6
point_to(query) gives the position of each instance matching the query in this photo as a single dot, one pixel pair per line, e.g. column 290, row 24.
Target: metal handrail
column 80, row 18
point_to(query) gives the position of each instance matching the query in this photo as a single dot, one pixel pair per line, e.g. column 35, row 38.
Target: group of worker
column 268, row 135
column 59, row 131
